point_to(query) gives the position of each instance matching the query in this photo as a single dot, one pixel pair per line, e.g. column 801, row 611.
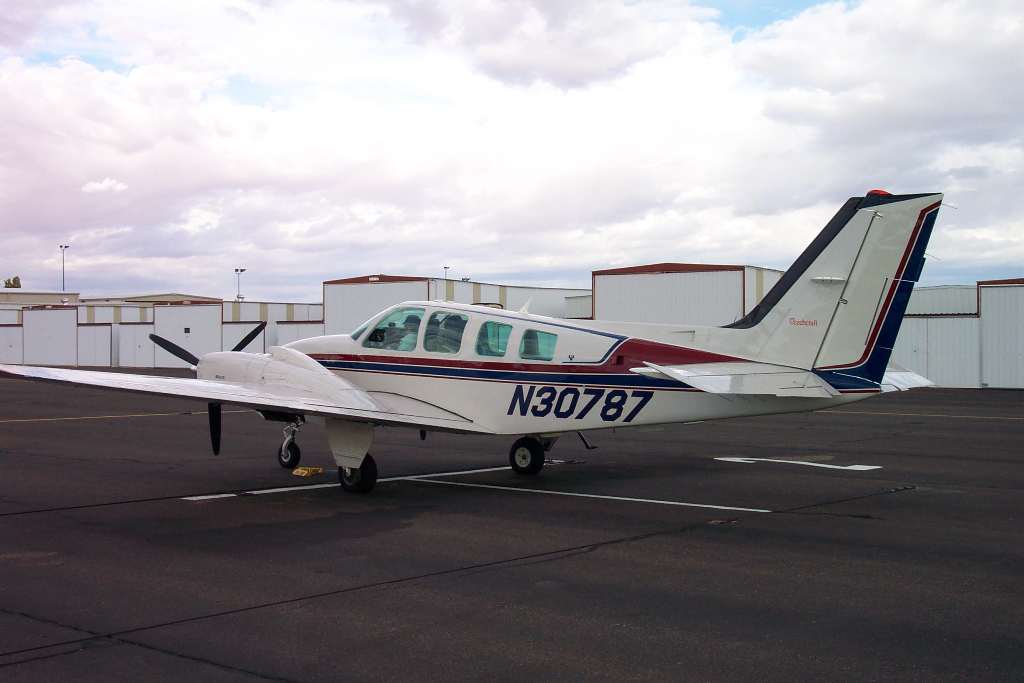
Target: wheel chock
column 307, row 471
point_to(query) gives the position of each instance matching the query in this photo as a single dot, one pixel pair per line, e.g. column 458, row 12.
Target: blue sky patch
column 752, row 15
column 100, row 61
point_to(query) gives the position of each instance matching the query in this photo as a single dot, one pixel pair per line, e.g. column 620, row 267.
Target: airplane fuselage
column 516, row 373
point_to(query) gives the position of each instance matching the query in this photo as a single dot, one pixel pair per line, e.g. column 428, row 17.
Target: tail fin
column 838, row 308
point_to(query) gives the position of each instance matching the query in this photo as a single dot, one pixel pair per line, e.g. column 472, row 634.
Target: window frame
column 462, row 339
column 508, row 342
column 372, row 326
column 522, row 338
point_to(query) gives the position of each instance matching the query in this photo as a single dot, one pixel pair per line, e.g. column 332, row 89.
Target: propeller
column 175, row 350
column 249, row 337
column 214, row 411
column 190, row 358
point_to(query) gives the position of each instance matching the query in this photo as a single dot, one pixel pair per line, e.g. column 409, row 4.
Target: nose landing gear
column 289, row 455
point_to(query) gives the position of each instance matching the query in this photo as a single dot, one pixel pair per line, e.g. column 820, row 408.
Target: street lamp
column 445, row 298
column 238, row 280
column 62, row 248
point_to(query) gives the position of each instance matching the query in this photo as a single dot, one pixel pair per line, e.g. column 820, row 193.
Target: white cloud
column 517, row 140
column 105, row 185
column 20, row 18
column 569, row 43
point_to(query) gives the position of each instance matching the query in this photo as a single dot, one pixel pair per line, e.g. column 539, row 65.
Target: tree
column 13, row 282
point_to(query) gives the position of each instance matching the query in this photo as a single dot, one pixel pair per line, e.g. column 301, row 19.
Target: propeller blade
column 249, row 337
column 214, row 410
column 175, row 350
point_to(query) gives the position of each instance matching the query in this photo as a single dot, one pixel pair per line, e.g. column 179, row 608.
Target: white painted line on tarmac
column 886, row 412
column 853, row 468
column 288, row 489
column 588, row 495
column 431, row 478
column 211, row 496
column 309, row 487
column 448, row 474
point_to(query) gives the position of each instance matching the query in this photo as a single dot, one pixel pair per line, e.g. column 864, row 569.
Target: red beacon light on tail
column 879, row 193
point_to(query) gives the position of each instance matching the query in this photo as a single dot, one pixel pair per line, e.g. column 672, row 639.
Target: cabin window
column 493, row 339
column 396, row 331
column 444, row 332
column 537, row 345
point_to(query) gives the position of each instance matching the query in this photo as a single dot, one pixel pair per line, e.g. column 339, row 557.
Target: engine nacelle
column 233, row 366
column 285, row 372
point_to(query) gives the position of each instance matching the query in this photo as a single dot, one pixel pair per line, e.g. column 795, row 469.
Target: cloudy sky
column 524, row 141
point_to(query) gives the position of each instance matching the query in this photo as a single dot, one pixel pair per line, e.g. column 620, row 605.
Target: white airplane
column 821, row 337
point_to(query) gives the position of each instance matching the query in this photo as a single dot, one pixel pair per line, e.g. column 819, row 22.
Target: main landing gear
column 350, row 445
column 349, row 442
column 289, row 454
column 360, row 479
column 527, row 454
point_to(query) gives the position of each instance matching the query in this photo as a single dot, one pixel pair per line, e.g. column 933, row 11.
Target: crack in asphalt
column 96, row 638
column 547, row 555
column 797, row 510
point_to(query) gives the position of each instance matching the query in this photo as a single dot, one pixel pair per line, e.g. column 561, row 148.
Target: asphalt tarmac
column 129, row 552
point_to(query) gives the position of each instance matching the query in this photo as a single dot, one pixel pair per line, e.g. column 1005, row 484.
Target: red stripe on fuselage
column 630, row 354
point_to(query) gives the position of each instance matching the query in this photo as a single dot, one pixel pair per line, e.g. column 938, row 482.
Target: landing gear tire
column 289, row 455
column 526, row 456
column 359, row 479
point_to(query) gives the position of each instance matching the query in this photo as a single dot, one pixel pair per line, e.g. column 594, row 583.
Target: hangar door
column 348, row 305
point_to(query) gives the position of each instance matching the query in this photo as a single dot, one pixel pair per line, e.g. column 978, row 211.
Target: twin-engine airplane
column 821, row 337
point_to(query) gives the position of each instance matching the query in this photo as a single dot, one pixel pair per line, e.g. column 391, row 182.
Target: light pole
column 62, row 248
column 445, row 297
column 238, row 280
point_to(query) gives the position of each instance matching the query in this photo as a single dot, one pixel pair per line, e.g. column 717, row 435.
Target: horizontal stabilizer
column 744, row 378
column 901, row 379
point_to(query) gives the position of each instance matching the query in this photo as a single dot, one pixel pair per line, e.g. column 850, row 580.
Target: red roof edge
column 667, row 268
column 1008, row 281
column 371, row 279
column 188, row 302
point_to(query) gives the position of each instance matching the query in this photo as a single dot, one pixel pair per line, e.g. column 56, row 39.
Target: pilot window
column 362, row 328
column 396, row 331
column 444, row 332
column 537, row 345
column 493, row 339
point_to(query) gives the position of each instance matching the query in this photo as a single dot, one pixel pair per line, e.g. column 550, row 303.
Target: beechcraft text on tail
column 821, row 337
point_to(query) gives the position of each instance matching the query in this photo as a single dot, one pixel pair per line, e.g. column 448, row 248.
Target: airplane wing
column 744, row 378
column 342, row 399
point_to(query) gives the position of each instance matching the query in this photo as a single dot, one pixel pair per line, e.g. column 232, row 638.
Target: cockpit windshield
column 362, row 328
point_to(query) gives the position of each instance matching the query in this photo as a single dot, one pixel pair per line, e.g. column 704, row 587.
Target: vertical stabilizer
column 838, row 308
